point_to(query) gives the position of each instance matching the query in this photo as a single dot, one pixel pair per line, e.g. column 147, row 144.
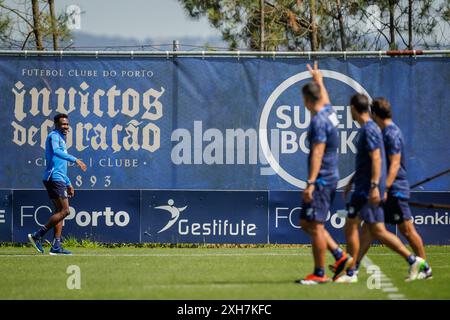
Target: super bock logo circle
column 287, row 174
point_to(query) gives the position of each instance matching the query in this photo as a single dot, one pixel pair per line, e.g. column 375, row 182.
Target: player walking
column 396, row 207
column 57, row 183
column 322, row 181
column 370, row 185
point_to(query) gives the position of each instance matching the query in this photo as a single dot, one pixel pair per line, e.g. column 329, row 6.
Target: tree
column 340, row 18
column 261, row 25
column 391, row 6
column 53, row 23
column 327, row 25
column 313, row 25
column 32, row 19
column 240, row 23
column 403, row 24
column 5, row 26
column 37, row 25
column 410, row 36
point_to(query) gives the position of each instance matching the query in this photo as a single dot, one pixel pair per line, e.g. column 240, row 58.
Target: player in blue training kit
column 396, row 207
column 58, row 185
column 323, row 176
column 370, row 183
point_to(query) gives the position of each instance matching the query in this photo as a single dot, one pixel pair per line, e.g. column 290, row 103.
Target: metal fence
column 237, row 54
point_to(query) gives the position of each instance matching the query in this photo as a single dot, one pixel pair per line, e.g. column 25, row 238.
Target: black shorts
column 56, row 189
column 396, row 210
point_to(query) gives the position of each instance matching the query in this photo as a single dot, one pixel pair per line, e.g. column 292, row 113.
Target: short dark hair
column 381, row 108
column 59, row 116
column 360, row 102
column 311, row 91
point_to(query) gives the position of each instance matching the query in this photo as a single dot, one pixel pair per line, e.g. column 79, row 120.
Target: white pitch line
column 293, row 254
column 163, row 255
column 394, row 296
column 386, row 283
column 391, row 289
column 214, row 285
column 395, row 254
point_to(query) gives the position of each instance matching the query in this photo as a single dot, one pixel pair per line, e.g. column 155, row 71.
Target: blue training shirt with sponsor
column 323, row 129
column 56, row 157
column 370, row 139
column 394, row 144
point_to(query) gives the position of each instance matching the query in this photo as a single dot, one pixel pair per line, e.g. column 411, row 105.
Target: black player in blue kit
column 58, row 185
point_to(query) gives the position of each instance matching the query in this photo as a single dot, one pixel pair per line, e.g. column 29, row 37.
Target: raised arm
column 318, row 78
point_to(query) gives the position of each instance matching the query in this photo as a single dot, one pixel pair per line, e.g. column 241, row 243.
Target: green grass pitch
column 204, row 273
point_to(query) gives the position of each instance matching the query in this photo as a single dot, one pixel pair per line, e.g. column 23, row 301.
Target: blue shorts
column 360, row 206
column 317, row 210
column 56, row 189
column 396, row 210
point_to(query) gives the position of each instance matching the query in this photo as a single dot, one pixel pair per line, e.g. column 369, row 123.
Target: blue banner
column 204, row 217
column 6, row 215
column 208, row 124
column 104, row 216
column 284, row 219
column 174, row 216
column 432, row 224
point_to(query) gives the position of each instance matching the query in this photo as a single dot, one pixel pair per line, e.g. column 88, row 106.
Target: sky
column 138, row 19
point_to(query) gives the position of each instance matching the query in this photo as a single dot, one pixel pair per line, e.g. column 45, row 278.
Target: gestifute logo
column 215, row 227
column 174, row 214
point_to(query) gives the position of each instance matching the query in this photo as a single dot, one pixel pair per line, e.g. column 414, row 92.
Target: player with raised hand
column 323, row 176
